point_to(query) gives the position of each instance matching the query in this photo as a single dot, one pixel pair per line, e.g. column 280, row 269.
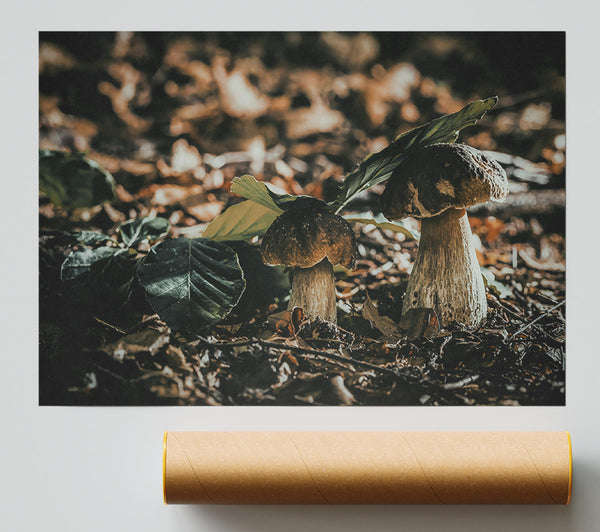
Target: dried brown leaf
column 383, row 324
column 318, row 118
column 239, row 97
column 420, row 322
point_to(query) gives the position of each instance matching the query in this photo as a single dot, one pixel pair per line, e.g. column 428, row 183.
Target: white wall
column 99, row 469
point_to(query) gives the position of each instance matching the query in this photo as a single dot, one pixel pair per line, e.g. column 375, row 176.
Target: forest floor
column 175, row 118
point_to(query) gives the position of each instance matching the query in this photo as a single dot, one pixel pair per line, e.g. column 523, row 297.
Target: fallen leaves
column 62, row 128
column 385, row 325
column 239, row 97
column 131, row 346
column 133, row 88
column 184, row 159
column 205, row 212
column 420, row 322
column 393, row 86
column 550, row 259
column 170, row 194
column 288, row 323
column 318, row 118
column 54, row 58
column 353, row 52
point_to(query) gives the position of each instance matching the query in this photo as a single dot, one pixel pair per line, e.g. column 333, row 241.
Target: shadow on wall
column 380, row 518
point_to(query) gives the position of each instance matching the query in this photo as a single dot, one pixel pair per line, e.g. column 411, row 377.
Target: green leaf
column 101, row 277
column 88, row 238
column 377, row 167
column 135, row 231
column 380, row 221
column 242, row 221
column 248, row 187
column 258, row 191
column 81, row 262
column 254, row 216
column 71, row 180
column 249, row 218
column 191, row 284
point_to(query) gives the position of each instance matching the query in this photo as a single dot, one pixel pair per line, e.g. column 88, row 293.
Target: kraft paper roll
column 367, row 468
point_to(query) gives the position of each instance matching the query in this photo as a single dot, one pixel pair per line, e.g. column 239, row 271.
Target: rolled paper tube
column 367, row 467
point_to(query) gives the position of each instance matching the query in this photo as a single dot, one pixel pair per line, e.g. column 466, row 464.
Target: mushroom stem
column 446, row 276
column 313, row 289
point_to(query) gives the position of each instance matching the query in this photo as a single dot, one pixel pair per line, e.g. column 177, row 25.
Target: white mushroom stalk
column 313, row 289
column 446, row 274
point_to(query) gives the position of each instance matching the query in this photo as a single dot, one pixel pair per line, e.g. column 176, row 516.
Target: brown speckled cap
column 440, row 176
column 304, row 237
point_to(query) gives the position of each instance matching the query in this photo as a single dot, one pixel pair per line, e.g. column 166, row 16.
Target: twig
column 523, row 319
column 526, row 326
column 113, row 327
column 460, row 383
column 425, row 383
column 306, row 350
column 506, row 308
column 152, row 317
column 327, row 340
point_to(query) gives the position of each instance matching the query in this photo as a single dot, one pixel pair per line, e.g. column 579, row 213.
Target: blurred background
column 175, row 116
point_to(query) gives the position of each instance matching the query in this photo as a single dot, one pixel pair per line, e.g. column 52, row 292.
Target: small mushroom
column 436, row 184
column 311, row 241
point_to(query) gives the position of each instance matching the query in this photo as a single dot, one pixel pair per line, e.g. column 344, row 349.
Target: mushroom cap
column 304, row 237
column 440, row 176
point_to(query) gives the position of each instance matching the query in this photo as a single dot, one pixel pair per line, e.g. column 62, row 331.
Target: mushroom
column 436, row 184
column 311, row 240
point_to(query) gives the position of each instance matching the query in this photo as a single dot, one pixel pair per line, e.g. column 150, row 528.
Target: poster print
column 302, row 218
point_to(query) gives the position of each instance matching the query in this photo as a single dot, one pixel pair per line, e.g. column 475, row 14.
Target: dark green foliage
column 88, row 238
column 378, row 167
column 191, row 284
column 134, row 232
column 100, row 278
column 71, row 180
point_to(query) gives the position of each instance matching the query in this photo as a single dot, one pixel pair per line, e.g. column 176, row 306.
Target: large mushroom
column 436, row 184
column 311, row 240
